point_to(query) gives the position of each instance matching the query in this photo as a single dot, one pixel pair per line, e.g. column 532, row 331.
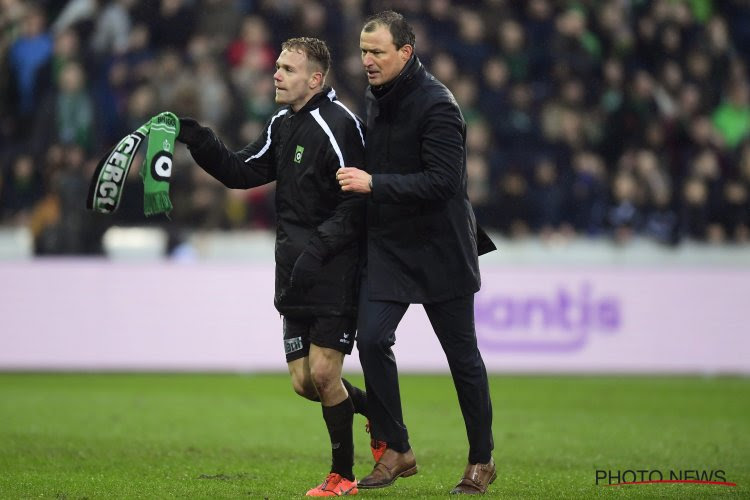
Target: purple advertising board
column 100, row 315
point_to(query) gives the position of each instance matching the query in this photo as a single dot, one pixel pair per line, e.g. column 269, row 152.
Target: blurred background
column 614, row 120
column 606, row 133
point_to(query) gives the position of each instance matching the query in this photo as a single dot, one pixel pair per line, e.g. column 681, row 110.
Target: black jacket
column 302, row 152
column 421, row 230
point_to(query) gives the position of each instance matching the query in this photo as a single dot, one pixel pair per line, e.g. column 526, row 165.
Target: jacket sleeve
column 250, row 167
column 442, row 158
column 347, row 222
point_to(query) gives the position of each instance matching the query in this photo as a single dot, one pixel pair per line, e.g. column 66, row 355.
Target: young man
column 422, row 246
column 302, row 146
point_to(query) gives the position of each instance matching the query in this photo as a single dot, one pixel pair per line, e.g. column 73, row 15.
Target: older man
column 422, row 246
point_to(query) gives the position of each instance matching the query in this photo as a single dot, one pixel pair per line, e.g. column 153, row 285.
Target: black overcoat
column 421, row 230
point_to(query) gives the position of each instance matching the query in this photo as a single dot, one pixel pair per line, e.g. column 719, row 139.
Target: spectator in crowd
column 27, row 55
column 736, row 213
column 547, row 198
column 252, row 48
column 625, row 211
column 69, row 111
column 20, row 189
column 171, row 24
column 112, row 28
column 470, row 48
column 587, row 191
column 732, row 117
column 512, row 214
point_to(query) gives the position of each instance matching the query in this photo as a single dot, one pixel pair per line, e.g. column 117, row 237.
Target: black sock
column 339, row 422
column 358, row 397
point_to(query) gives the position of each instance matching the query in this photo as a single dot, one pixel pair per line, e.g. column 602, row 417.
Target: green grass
column 92, row 436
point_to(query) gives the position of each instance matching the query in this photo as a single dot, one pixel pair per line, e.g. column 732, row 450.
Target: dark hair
column 316, row 51
column 401, row 31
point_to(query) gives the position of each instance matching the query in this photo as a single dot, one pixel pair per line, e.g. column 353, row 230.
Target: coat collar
column 327, row 93
column 401, row 84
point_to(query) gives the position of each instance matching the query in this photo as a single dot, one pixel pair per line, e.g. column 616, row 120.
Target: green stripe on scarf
column 112, row 171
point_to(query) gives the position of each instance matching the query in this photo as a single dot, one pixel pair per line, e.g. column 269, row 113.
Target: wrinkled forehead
column 379, row 38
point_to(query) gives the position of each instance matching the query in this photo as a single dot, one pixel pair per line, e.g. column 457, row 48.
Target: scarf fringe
column 156, row 203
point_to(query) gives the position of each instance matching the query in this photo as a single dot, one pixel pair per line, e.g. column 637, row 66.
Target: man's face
column 292, row 79
column 380, row 57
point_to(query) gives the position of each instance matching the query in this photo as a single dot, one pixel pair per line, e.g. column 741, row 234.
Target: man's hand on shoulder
column 354, row 180
column 191, row 132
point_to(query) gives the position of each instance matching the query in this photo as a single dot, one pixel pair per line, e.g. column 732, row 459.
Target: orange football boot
column 334, row 485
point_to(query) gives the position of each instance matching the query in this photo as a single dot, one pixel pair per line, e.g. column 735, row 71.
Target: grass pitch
column 78, row 436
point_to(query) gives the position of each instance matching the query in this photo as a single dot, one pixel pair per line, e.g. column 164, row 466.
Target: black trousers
column 453, row 323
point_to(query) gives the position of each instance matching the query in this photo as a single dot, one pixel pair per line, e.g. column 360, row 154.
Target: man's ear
column 316, row 80
column 405, row 52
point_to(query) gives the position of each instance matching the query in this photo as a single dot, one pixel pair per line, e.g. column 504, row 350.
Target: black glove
column 306, row 269
column 191, row 132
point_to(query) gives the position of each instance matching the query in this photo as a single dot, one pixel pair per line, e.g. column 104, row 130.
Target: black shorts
column 333, row 332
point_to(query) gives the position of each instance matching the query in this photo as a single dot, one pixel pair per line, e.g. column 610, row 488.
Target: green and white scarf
column 112, row 171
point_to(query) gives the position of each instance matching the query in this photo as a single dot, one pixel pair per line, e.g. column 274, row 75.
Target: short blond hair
column 316, row 51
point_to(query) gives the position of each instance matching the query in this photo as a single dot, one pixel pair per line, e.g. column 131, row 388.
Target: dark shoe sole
column 406, row 473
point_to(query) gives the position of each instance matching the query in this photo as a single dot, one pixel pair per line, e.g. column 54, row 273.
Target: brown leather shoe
column 391, row 466
column 476, row 479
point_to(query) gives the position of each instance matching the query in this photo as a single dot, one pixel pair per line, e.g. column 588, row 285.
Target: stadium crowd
column 595, row 118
